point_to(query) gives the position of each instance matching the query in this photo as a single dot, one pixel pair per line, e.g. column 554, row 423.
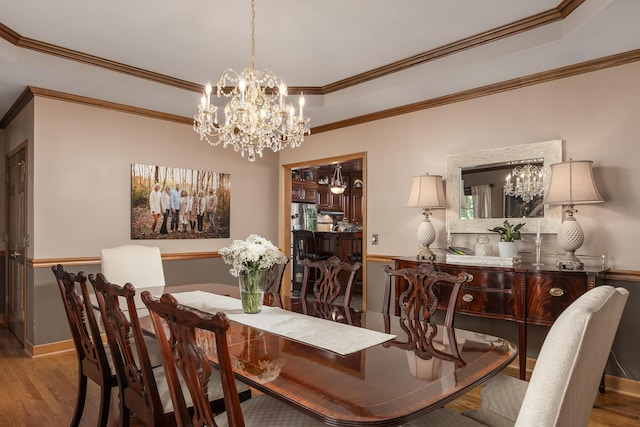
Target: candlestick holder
column 538, row 246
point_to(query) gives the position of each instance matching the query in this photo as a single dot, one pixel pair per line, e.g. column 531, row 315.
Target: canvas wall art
column 175, row 203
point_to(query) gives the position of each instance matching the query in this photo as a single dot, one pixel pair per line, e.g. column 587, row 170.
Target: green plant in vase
column 250, row 259
column 509, row 237
column 508, row 232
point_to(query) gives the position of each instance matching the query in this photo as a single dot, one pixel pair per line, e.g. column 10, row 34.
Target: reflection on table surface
column 382, row 385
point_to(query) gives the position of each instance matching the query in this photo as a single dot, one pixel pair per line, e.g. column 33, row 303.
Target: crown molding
column 558, row 13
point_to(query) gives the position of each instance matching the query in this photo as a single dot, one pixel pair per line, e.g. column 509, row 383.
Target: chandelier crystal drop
column 525, row 182
column 257, row 115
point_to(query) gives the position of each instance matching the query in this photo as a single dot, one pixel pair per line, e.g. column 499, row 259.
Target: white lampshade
column 427, row 191
column 572, row 184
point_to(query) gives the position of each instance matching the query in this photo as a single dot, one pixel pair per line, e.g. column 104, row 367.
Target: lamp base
column 425, row 254
column 570, row 262
column 570, row 238
column 426, row 236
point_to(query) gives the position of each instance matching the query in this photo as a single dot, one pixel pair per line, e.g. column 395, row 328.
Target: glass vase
column 252, row 290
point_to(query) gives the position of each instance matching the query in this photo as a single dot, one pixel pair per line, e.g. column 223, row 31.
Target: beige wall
column 596, row 115
column 82, row 164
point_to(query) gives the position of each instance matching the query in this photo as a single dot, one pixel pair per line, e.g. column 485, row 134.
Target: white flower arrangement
column 255, row 253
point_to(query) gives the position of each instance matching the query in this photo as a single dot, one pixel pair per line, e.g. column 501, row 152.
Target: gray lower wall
column 48, row 322
column 623, row 361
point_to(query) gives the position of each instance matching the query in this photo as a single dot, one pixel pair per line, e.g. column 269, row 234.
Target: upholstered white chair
column 136, row 264
column 566, row 376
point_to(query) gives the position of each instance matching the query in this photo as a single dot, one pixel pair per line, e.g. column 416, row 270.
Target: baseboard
column 616, row 384
column 48, row 349
column 622, row 386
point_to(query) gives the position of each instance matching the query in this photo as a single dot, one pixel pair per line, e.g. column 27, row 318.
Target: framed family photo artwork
column 175, row 203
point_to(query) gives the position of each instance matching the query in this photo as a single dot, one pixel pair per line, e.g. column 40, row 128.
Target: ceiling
column 351, row 58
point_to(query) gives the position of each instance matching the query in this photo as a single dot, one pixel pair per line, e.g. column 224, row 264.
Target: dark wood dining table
column 383, row 385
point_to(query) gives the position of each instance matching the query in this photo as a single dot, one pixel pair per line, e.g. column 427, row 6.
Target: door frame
column 23, row 146
column 285, row 208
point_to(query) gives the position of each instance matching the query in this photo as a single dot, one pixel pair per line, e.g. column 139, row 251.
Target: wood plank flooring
column 42, row 392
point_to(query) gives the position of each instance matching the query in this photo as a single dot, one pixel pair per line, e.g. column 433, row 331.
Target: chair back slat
column 419, row 300
column 328, row 285
column 92, row 357
column 175, row 327
column 138, row 388
column 273, row 281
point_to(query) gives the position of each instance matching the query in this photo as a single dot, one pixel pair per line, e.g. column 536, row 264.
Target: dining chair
column 273, row 281
column 184, row 357
column 327, row 286
column 419, row 300
column 137, row 264
column 304, row 242
column 566, row 376
column 93, row 361
column 144, row 390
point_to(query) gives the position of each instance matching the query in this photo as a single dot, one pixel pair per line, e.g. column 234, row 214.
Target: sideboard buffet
column 524, row 294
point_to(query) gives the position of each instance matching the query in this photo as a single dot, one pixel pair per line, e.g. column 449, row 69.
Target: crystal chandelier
column 529, row 182
column 337, row 184
column 257, row 116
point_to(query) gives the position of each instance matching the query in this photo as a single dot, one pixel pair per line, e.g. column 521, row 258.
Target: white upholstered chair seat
column 265, row 411
column 565, row 380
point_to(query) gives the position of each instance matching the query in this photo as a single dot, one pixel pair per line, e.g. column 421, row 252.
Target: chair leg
column 80, row 399
column 125, row 414
column 105, row 400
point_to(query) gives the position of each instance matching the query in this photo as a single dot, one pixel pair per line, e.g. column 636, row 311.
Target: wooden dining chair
column 419, row 300
column 93, row 362
column 144, row 390
column 327, row 286
column 273, row 282
column 565, row 379
column 184, row 357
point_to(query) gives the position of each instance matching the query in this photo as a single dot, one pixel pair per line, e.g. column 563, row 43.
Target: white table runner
column 337, row 337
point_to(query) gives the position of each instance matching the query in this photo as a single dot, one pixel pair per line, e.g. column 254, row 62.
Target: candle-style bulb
column 301, row 103
column 242, row 85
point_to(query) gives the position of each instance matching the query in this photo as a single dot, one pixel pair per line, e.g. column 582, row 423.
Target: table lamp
column 571, row 184
column 427, row 192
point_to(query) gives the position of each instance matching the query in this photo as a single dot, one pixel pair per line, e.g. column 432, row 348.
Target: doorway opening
column 339, row 221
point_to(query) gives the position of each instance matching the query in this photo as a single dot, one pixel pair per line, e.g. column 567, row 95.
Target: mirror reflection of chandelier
column 337, row 184
column 525, row 182
column 257, row 116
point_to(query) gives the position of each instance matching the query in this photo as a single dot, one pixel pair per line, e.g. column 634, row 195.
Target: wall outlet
column 374, row 239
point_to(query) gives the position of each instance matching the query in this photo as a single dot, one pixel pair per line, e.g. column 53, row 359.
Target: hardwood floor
column 42, row 392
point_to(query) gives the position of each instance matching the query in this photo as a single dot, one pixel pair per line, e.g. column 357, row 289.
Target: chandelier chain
column 253, row 34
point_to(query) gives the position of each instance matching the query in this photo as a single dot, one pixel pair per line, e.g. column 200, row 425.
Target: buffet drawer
column 549, row 294
column 484, row 302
